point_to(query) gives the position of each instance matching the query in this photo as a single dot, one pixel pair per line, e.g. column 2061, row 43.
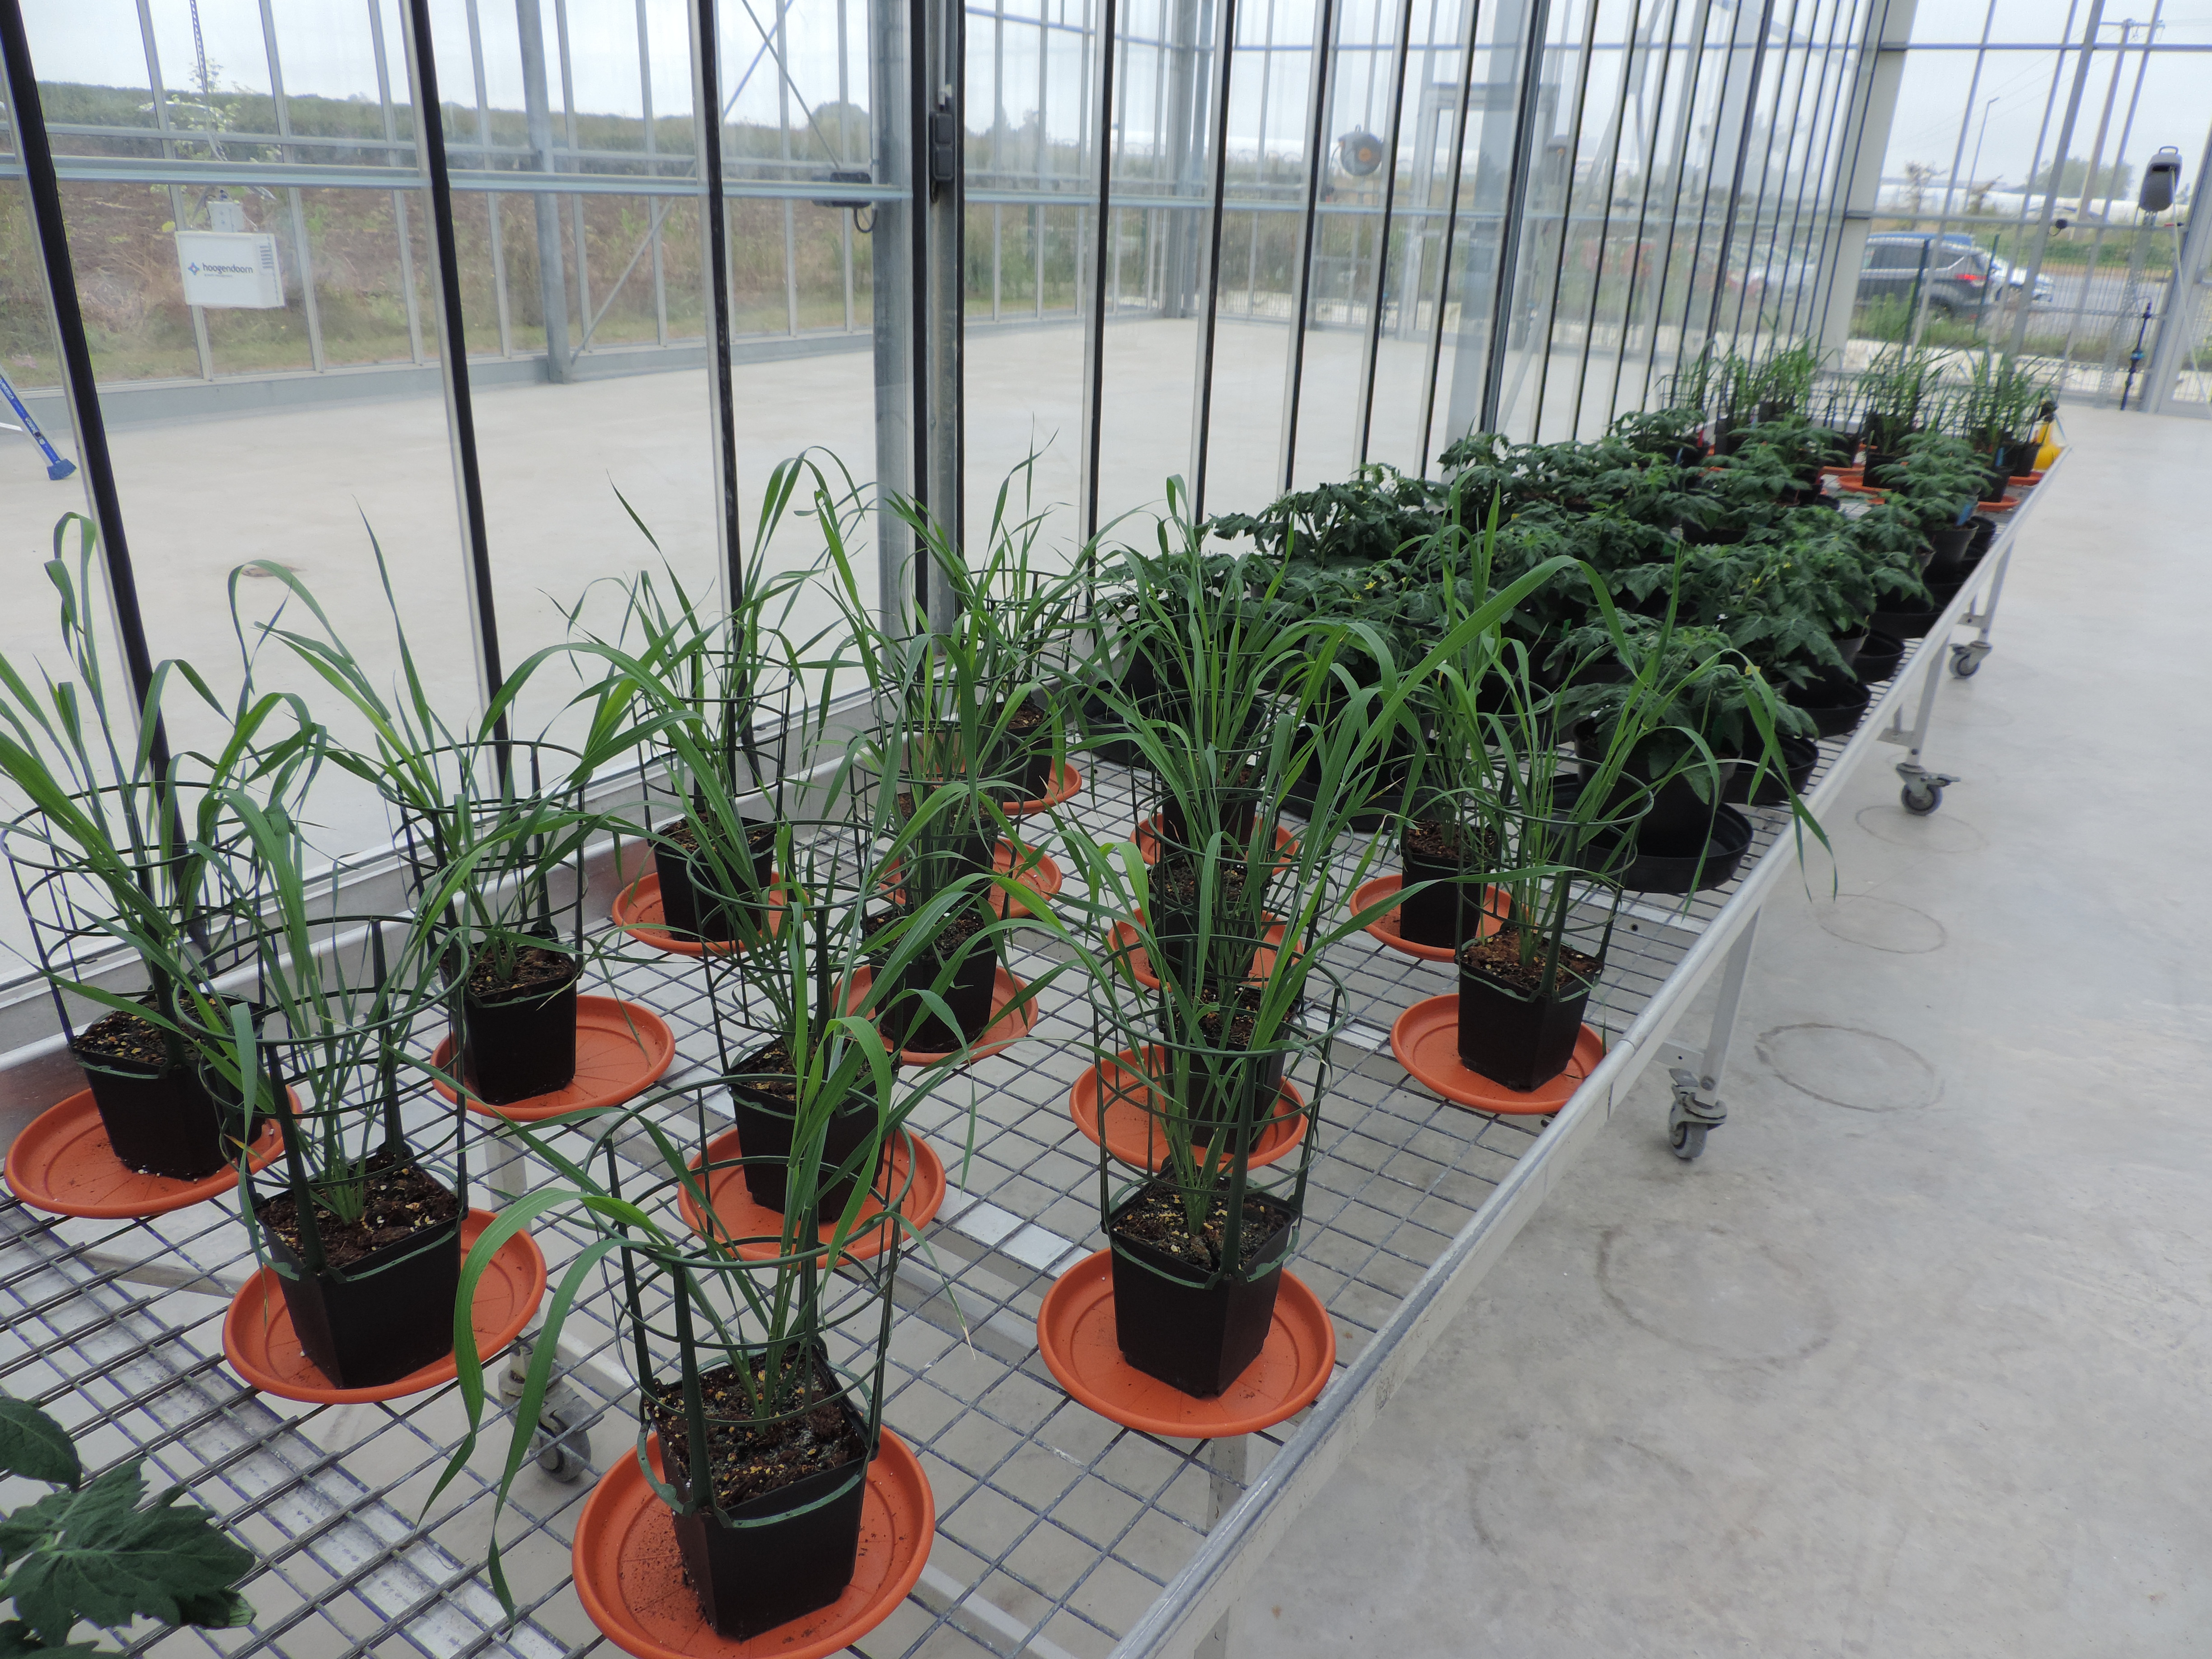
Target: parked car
column 1956, row 279
column 2003, row 272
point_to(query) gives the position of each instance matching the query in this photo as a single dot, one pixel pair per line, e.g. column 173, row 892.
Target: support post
column 897, row 167
column 1874, row 99
column 537, row 108
column 1229, row 1460
column 2179, row 316
column 943, row 52
column 2088, row 48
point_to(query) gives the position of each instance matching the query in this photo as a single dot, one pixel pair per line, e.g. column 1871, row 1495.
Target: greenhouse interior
column 738, row 555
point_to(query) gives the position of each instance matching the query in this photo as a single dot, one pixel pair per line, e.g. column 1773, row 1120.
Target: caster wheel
column 1921, row 798
column 1966, row 662
column 562, row 1453
column 1688, row 1141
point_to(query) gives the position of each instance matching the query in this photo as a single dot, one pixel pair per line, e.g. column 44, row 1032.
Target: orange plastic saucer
column 63, row 1164
column 1069, row 785
column 1037, row 872
column 637, row 912
column 630, row 1575
column 1130, row 1134
column 2005, row 505
column 1075, row 1334
column 259, row 1341
column 622, row 1050
column 1008, row 1024
column 1123, row 941
column 740, row 1218
column 1425, row 1040
column 1385, row 927
column 1147, row 838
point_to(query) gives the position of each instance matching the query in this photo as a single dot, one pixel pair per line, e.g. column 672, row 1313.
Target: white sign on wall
column 233, row 268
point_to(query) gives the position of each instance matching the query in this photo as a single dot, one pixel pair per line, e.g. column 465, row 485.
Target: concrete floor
column 1914, row 1362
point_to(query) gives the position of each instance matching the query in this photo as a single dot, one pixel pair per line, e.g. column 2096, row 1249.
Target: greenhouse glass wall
column 1336, row 233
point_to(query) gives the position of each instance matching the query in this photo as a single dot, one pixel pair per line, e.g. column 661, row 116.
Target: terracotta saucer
column 2005, row 505
column 622, row 1050
column 1147, row 837
column 1037, row 872
column 1385, row 928
column 1075, row 1334
column 259, row 1341
column 630, row 1575
column 1425, row 1040
column 1069, row 785
column 1132, row 1131
column 637, row 912
column 63, row 1164
column 1008, row 1024
column 1122, row 940
column 917, row 1175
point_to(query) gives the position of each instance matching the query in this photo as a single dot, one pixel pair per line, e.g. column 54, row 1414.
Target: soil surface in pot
column 747, row 1459
column 536, row 968
column 1157, row 1217
column 1497, row 958
column 682, row 833
column 1242, row 1017
column 402, row 1201
column 772, row 1072
column 1178, row 881
column 1441, row 840
column 122, row 1036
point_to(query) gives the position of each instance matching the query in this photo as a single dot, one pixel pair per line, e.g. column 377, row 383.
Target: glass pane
column 266, row 350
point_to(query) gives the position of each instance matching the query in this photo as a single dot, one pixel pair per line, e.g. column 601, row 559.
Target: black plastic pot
column 1801, row 756
column 1836, row 703
column 967, row 995
column 1655, row 870
column 1029, row 762
column 1950, row 543
column 389, row 1315
column 1447, row 914
column 1193, row 1336
column 1848, row 645
column 160, row 1120
column 686, row 906
column 1519, row 1041
column 792, row 1552
column 1879, row 658
column 764, row 1125
column 1240, row 816
column 521, row 1045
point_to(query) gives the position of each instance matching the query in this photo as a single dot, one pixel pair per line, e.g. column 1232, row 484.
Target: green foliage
column 94, row 1553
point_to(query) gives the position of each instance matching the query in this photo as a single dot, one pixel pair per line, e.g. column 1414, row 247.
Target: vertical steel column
column 2088, row 49
column 1094, row 322
column 169, row 153
column 1371, row 347
column 1210, row 270
column 652, row 171
column 1317, row 155
column 452, row 341
column 537, row 103
column 491, row 197
column 714, row 241
column 1538, row 22
column 1185, row 110
column 1685, row 122
column 2184, row 298
column 51, row 227
column 400, row 224
column 1867, row 116
column 943, row 56
column 1742, row 159
column 900, row 162
column 779, row 42
column 1648, row 151
column 1450, row 233
column 576, row 224
column 300, row 252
